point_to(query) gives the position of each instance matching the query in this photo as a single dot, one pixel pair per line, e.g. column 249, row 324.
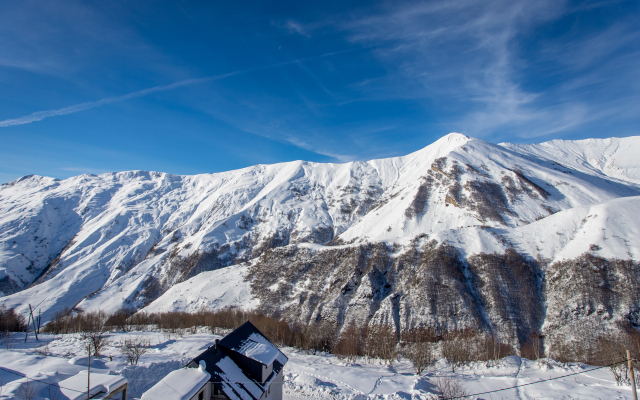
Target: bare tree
column 421, row 355
column 382, row 343
column 611, row 353
column 8, row 340
column 450, row 387
column 95, row 331
column 97, row 340
column 118, row 320
column 457, row 349
column 349, row 345
column 53, row 391
column 134, row 348
column 11, row 321
column 27, row 390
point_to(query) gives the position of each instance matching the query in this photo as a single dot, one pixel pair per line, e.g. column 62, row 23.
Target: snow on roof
column 258, row 348
column 234, row 378
column 251, row 343
column 236, row 383
column 84, row 361
column 180, row 384
column 75, row 388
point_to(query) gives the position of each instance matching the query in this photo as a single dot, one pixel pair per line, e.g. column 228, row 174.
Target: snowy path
column 332, row 380
column 519, row 390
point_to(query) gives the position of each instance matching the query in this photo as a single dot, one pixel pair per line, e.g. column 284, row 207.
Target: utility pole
column 35, row 330
column 89, row 374
column 26, row 335
column 633, row 377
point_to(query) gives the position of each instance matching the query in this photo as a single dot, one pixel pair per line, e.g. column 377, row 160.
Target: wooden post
column 35, row 330
column 89, row 375
column 26, row 335
column 633, row 377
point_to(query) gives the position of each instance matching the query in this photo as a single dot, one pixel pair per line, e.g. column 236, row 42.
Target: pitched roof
column 228, row 376
column 250, row 342
column 181, row 384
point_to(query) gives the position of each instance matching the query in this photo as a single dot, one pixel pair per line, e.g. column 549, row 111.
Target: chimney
column 216, row 345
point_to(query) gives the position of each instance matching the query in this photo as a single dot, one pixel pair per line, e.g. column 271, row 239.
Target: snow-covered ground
column 320, row 376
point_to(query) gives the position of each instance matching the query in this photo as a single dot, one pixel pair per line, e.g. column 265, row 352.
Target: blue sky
column 199, row 86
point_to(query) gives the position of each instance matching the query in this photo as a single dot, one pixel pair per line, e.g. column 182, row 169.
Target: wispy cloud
column 40, row 115
column 293, row 26
column 480, row 62
column 463, row 52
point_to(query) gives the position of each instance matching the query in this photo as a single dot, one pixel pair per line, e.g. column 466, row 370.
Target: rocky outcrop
column 429, row 285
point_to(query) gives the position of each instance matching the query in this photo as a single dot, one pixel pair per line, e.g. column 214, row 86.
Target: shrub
column 27, row 390
column 450, row 387
column 421, row 355
column 134, row 348
column 11, row 321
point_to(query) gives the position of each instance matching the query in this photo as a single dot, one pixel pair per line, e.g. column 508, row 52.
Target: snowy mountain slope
column 613, row 157
column 217, row 289
column 480, row 182
column 495, row 279
column 610, row 230
column 123, row 239
column 576, row 232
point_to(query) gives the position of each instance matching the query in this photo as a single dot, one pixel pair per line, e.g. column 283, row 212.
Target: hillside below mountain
column 511, row 239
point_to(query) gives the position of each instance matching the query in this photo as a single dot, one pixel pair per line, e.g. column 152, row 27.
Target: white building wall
column 206, row 390
column 275, row 389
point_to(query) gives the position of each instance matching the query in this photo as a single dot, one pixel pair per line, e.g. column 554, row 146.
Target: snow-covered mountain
column 613, row 157
column 406, row 240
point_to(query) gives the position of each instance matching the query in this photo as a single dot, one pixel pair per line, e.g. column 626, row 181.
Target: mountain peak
column 455, row 136
column 443, row 146
column 451, row 140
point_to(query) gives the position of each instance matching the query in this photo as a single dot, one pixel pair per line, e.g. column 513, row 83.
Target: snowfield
column 211, row 290
column 320, row 376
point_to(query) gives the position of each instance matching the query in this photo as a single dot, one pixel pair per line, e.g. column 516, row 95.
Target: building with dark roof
column 243, row 365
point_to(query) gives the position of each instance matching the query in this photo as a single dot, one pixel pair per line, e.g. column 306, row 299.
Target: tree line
column 423, row 346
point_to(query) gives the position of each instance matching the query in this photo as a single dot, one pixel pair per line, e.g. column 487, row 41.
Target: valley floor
column 322, row 376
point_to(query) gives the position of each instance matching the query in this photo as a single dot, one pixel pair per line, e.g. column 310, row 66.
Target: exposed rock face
column 427, row 285
column 589, row 297
column 431, row 285
column 510, row 286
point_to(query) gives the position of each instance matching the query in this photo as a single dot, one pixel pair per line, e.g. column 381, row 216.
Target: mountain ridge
column 124, row 239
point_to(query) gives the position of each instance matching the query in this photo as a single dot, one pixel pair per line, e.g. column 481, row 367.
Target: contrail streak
column 40, row 115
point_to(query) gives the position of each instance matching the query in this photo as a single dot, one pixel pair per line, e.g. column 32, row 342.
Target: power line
column 533, row 383
column 37, row 380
